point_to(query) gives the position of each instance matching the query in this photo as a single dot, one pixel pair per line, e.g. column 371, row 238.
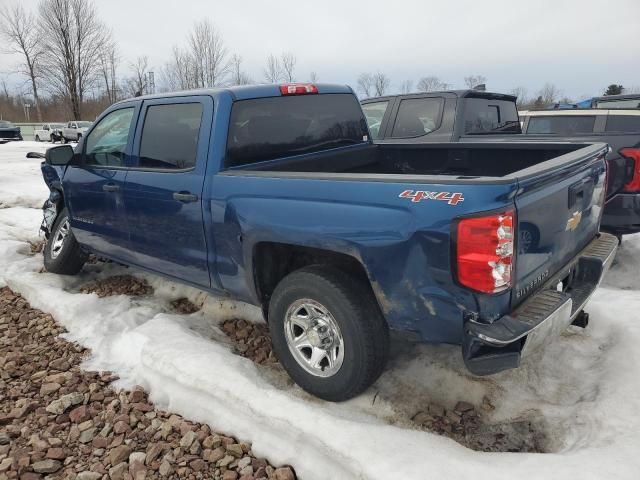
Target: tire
column 359, row 345
column 64, row 139
column 65, row 258
column 79, row 136
column 37, row 138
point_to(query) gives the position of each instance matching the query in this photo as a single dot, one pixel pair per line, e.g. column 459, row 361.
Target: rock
column 88, row 476
column 4, row 439
column 61, row 404
column 422, row 417
column 85, row 425
column 79, row 414
column 117, row 472
column 195, row 448
column 188, row 439
column 6, row 464
column 243, row 462
column 153, row 452
column 453, row 417
column 226, row 460
column 212, row 441
column 30, row 476
column 56, row 453
column 197, row 465
column 46, row 466
column 136, row 396
column 165, row 468
column 283, row 473
column 121, row 427
column 230, row 475
column 137, row 470
column 235, row 449
column 462, row 407
column 213, row 456
column 87, row 435
column 436, row 410
column 49, row 388
column 137, row 457
column 119, row 454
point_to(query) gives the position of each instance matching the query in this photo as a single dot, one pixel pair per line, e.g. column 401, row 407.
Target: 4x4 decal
column 419, row 195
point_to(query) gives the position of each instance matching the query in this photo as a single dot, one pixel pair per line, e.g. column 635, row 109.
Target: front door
column 163, row 192
column 94, row 187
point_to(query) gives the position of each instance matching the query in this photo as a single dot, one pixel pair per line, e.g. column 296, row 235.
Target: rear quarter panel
column 403, row 245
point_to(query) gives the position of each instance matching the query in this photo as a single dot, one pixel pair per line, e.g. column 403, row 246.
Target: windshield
column 5, row 124
column 84, row 124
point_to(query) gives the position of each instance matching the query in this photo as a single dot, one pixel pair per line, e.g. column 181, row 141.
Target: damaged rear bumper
column 492, row 347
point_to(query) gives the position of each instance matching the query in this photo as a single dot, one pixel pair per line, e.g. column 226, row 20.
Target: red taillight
column 485, row 252
column 298, row 89
column 632, row 154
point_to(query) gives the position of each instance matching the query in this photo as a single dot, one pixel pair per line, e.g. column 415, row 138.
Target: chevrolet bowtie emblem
column 574, row 221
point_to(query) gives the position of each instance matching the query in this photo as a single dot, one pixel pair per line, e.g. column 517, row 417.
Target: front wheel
column 328, row 332
column 37, row 138
column 62, row 253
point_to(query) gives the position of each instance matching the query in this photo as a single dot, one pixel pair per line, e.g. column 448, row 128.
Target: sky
column 579, row 46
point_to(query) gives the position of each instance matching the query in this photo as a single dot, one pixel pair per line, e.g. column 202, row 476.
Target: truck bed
column 448, row 159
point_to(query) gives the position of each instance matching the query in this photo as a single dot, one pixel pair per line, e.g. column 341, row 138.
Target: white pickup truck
column 74, row 131
column 43, row 134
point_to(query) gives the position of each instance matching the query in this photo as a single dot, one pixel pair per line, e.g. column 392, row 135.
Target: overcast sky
column 580, row 46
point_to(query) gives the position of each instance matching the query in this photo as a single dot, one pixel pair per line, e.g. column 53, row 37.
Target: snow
column 583, row 388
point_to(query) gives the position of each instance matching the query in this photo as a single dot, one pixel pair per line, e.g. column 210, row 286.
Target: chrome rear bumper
column 492, row 347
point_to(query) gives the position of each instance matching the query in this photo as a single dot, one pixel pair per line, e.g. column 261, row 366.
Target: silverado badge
column 574, row 221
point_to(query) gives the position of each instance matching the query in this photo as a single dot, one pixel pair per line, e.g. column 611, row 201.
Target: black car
column 9, row 132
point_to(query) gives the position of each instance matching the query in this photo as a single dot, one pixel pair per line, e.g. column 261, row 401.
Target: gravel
column 57, row 421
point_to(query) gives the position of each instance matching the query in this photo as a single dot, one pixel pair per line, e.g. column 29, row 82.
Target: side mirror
column 60, row 155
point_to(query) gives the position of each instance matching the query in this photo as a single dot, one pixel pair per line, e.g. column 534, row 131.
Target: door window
column 170, row 136
column 107, row 142
column 374, row 112
column 561, row 124
column 417, row 117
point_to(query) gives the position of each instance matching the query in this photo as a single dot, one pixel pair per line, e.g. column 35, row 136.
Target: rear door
column 558, row 213
column 163, row 192
column 93, row 188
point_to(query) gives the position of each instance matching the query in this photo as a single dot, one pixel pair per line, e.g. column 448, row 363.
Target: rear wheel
column 64, row 139
column 328, row 332
column 62, row 253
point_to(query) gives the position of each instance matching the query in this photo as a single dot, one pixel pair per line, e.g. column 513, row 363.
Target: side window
column 106, row 144
column 170, row 136
column 374, row 112
column 623, row 123
column 561, row 124
column 417, row 117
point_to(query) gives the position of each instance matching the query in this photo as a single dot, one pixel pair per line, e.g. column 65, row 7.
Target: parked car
column 74, row 130
column 475, row 117
column 279, row 198
column 49, row 132
column 621, row 130
column 9, row 132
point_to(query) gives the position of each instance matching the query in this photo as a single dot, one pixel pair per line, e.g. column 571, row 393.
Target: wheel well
column 273, row 261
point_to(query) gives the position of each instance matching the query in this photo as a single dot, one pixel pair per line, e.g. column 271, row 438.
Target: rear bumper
column 491, row 348
column 622, row 214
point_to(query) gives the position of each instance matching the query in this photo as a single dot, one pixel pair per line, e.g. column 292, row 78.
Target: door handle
column 185, row 197
column 110, row 187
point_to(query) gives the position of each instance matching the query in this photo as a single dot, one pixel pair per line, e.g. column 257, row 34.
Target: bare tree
column 313, row 77
column 21, row 36
column 74, row 37
column 177, row 73
column 208, row 55
column 365, row 84
column 430, row 84
column 521, row 96
column 137, row 84
column 109, row 61
column 288, row 63
column 549, row 94
column 381, row 84
column 406, row 87
column 472, row 81
column 238, row 77
column 273, row 71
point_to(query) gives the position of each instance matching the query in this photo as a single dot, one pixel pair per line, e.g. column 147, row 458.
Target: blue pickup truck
column 275, row 195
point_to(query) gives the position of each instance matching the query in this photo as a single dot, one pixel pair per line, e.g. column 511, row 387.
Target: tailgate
column 558, row 208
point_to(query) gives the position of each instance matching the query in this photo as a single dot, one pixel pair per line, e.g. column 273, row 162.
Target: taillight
column 298, row 89
column 632, row 154
column 485, row 252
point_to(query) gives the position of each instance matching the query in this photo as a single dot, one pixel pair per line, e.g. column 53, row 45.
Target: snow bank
column 585, row 386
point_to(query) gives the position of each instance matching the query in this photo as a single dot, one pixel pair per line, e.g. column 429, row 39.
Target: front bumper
column 622, row 214
column 492, row 347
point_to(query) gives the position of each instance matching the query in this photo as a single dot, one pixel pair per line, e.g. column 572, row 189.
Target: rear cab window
column 417, row 117
column 271, row 128
column 561, row 124
column 486, row 115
